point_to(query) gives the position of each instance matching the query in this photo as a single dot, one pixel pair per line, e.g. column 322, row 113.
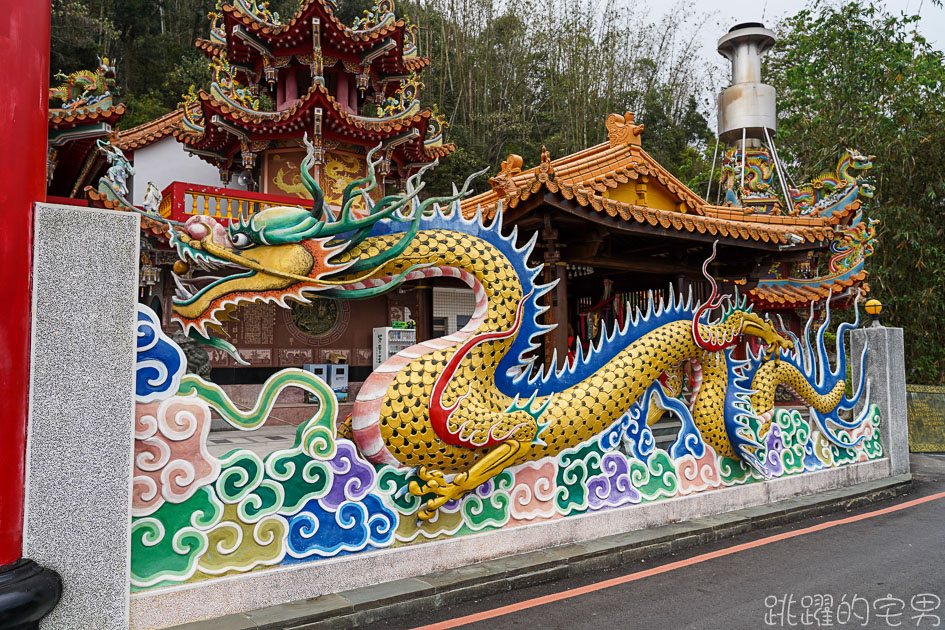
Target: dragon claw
column 433, row 481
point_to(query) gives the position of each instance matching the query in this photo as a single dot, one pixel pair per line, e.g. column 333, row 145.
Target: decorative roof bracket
column 58, row 138
column 250, row 40
column 225, row 126
column 207, row 154
column 370, row 55
column 402, row 139
column 395, row 78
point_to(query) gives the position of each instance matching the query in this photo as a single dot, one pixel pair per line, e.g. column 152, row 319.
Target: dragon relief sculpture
column 405, row 101
column 852, row 246
column 458, row 410
column 85, row 88
column 830, row 192
column 759, row 173
column 227, row 88
column 822, row 196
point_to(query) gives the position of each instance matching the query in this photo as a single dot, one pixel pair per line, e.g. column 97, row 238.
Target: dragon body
column 830, row 192
column 85, row 88
column 460, row 409
column 825, row 194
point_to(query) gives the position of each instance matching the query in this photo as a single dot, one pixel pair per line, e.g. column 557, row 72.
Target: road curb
column 366, row 605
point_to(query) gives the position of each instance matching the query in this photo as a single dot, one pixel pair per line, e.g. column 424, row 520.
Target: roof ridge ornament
column 545, row 171
column 260, row 11
column 621, row 130
column 502, row 184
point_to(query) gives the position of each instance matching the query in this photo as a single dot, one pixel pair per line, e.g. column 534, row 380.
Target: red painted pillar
column 28, row 591
column 24, row 48
column 341, row 91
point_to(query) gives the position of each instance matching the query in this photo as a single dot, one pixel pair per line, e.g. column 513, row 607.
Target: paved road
column 858, row 574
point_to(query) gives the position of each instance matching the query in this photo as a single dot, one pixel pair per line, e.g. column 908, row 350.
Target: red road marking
column 672, row 566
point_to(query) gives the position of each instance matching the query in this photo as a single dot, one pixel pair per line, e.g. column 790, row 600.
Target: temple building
column 235, row 147
column 614, row 225
column 349, row 88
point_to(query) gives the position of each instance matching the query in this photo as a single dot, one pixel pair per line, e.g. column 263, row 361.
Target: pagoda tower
column 349, row 88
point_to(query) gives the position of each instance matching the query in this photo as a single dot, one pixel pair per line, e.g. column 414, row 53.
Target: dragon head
column 859, row 161
column 753, row 324
column 286, row 253
column 273, row 256
column 736, row 319
column 867, row 190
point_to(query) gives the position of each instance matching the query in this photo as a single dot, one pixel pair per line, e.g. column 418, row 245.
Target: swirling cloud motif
column 613, row 487
column 171, row 459
column 735, row 472
column 353, row 526
column 533, row 495
column 873, row 444
column 160, row 362
column 353, row 478
column 656, row 478
column 575, row 467
column 697, row 474
column 488, row 505
column 167, row 544
column 811, row 461
column 234, row 545
column 774, row 446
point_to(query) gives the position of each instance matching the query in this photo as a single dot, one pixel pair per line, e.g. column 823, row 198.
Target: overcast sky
column 731, row 12
column 724, row 14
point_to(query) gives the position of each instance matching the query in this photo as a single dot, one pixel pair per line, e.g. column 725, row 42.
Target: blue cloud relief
column 354, row 526
column 160, row 363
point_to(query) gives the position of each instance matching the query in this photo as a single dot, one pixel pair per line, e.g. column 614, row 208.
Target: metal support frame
column 779, row 167
column 715, row 154
column 744, row 156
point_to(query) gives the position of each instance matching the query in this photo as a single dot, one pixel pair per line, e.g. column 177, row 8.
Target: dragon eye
column 241, row 241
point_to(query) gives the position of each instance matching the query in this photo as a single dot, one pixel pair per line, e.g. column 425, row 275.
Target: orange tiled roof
column 269, row 118
column 798, row 293
column 304, row 6
column 416, row 64
column 143, row 135
column 586, row 176
column 439, row 151
column 209, row 47
column 84, row 114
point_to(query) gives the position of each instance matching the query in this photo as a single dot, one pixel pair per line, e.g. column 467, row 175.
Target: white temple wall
column 165, row 161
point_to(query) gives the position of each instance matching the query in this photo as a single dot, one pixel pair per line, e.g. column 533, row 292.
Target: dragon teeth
column 182, row 291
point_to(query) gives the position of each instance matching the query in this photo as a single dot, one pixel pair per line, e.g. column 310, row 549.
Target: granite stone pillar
column 81, row 412
column 886, row 372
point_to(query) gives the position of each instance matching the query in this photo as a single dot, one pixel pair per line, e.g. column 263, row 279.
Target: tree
column 513, row 77
column 856, row 76
column 151, row 41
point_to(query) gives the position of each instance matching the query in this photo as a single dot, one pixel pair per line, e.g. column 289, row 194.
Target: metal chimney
column 748, row 108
